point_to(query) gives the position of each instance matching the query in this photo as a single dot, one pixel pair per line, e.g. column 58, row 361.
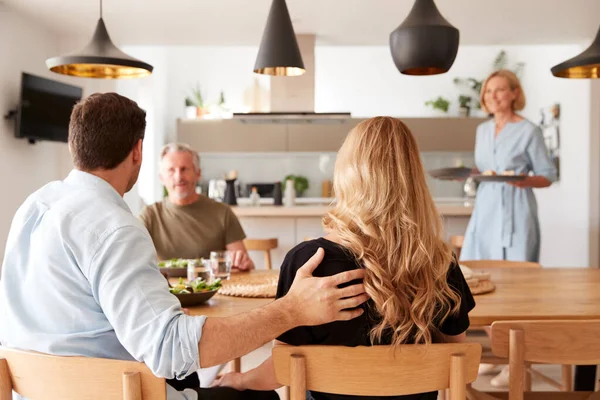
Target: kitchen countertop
column 448, row 208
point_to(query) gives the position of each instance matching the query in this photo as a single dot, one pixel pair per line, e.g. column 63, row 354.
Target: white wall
column 23, row 167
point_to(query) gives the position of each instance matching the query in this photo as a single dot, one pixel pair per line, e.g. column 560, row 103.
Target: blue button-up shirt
column 80, row 277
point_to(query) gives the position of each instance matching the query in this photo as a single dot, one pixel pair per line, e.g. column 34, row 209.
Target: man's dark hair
column 104, row 128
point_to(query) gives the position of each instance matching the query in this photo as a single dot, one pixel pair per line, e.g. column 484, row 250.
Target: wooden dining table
column 520, row 294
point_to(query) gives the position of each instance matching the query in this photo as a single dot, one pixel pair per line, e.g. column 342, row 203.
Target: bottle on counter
column 277, row 196
column 191, row 270
column 254, row 197
column 290, row 193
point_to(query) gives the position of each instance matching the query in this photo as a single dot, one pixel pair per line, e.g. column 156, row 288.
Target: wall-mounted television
column 44, row 108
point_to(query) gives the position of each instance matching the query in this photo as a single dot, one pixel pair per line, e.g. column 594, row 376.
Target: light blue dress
column 504, row 224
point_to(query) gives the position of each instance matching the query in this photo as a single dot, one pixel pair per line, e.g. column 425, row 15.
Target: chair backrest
column 377, row 370
column 261, row 244
column 42, row 376
column 482, row 264
column 547, row 342
column 265, row 245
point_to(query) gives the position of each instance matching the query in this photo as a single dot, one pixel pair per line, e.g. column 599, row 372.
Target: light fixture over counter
column 279, row 54
column 585, row 65
column 425, row 43
column 99, row 59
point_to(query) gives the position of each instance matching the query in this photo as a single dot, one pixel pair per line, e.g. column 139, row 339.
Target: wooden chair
column 457, row 243
column 264, row 245
column 548, row 342
column 377, row 370
column 42, row 376
column 487, row 356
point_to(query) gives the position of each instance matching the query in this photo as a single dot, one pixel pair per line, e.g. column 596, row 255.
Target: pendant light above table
column 585, row 65
column 279, row 54
column 425, row 43
column 99, row 59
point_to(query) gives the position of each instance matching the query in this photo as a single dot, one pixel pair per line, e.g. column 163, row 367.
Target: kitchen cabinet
column 225, row 136
column 315, row 135
column 318, row 136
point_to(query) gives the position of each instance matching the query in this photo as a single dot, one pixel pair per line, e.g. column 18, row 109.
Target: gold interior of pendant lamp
column 424, row 71
column 280, row 71
column 105, row 71
column 580, row 72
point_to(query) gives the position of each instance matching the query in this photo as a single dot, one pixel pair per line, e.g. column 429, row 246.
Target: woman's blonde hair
column 386, row 218
column 513, row 82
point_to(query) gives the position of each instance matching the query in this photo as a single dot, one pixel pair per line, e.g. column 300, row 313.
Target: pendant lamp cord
column 100, row 9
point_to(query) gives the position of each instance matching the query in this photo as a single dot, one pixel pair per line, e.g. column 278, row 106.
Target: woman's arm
column 259, row 378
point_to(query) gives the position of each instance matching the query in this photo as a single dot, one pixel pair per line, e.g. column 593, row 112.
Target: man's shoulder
column 206, row 203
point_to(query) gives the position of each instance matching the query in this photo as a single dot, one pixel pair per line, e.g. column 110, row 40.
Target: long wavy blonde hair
column 386, row 218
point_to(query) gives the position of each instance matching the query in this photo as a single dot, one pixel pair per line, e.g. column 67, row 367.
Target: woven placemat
column 481, row 287
column 261, row 284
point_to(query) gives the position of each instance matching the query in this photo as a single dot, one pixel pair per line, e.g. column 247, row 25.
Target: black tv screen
column 45, row 108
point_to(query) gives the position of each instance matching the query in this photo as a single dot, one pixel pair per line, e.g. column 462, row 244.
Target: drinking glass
column 221, row 263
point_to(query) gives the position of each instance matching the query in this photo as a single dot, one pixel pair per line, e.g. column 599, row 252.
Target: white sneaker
column 502, row 379
column 486, row 369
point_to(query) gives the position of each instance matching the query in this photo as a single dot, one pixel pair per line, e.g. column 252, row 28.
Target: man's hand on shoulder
column 316, row 301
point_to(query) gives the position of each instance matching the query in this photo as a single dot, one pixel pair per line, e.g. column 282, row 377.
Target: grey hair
column 174, row 147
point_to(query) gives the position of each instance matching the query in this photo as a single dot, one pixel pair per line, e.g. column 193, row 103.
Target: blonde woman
column 386, row 222
column 504, row 224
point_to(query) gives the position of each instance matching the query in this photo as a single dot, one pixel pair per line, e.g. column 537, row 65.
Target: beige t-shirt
column 193, row 230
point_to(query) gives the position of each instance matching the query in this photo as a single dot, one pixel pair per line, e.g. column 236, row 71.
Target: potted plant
column 464, row 105
column 196, row 101
column 190, row 109
column 441, row 104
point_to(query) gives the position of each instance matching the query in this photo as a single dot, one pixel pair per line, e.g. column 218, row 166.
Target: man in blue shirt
column 80, row 274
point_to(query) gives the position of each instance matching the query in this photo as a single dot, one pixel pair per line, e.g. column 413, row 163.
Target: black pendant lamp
column 99, row 59
column 279, row 54
column 425, row 43
column 585, row 65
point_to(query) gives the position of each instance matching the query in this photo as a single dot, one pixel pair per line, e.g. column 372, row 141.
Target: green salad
column 178, row 262
column 195, row 286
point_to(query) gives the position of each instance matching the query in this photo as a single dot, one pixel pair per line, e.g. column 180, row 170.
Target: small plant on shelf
column 440, row 103
column 465, row 105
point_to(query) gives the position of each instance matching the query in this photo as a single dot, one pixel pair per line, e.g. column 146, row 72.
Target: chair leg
column 527, row 382
column 567, row 378
column 268, row 259
column 5, row 382
column 132, row 386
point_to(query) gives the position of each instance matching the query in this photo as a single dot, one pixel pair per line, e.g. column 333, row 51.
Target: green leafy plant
column 196, row 98
column 189, row 102
column 300, row 183
column 439, row 104
column 464, row 101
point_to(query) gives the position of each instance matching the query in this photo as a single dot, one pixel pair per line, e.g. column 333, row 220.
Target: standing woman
column 504, row 224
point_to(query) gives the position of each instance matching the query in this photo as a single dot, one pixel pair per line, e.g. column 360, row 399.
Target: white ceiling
column 335, row 22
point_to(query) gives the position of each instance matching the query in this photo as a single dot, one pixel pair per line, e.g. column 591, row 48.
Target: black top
column 356, row 331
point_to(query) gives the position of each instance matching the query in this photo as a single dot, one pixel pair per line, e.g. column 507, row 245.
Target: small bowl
column 194, row 299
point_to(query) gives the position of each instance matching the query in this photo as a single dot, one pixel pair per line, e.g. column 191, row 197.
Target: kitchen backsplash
column 316, row 167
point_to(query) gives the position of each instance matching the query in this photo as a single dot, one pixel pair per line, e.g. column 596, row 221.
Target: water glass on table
column 221, row 263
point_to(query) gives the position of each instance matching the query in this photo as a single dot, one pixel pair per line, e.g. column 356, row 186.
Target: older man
column 80, row 274
column 185, row 224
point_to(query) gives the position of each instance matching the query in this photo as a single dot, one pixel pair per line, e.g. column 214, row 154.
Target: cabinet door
column 225, row 136
column 319, row 135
